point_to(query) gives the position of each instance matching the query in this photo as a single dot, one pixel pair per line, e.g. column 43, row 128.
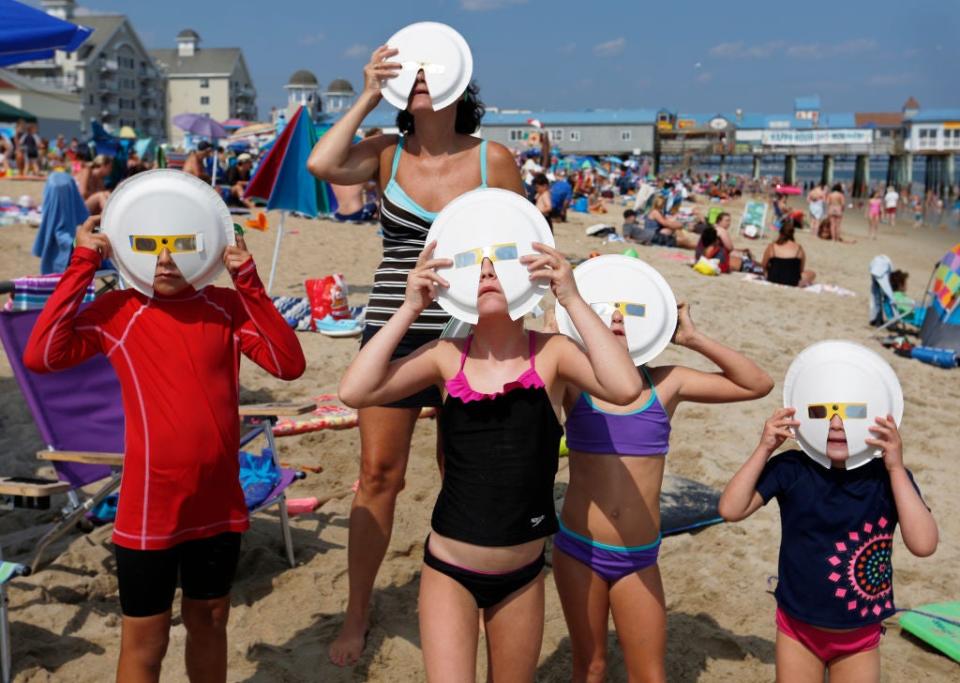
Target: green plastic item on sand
column 631, row 252
column 943, row 634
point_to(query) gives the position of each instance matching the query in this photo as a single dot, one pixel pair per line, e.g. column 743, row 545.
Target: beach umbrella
column 127, row 133
column 204, row 126
column 281, row 179
column 254, row 129
column 234, row 124
column 27, row 34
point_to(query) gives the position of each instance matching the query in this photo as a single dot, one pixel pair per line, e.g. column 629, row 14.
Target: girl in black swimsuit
column 502, row 389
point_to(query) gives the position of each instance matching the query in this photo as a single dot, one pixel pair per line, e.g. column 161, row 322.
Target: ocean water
column 808, row 168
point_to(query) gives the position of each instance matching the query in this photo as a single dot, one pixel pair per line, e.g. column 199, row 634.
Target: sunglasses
column 846, row 411
column 495, row 252
column 175, row 244
column 625, row 307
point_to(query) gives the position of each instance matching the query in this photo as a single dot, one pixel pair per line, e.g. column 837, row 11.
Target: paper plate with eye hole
column 168, row 209
column 846, row 379
column 495, row 224
column 641, row 294
column 441, row 52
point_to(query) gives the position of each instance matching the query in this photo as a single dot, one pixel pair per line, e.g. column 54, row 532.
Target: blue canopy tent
column 27, row 33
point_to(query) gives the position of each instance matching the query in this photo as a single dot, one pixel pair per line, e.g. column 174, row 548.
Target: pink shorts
column 829, row 645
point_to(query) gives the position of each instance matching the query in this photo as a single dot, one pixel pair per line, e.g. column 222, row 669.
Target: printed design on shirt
column 862, row 569
column 535, row 521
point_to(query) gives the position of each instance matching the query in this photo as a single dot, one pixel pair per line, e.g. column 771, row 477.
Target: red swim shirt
column 178, row 361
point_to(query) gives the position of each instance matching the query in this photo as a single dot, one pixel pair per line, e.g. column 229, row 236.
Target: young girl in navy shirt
column 835, row 573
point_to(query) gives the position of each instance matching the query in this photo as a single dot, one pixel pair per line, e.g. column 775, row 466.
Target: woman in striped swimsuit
column 437, row 159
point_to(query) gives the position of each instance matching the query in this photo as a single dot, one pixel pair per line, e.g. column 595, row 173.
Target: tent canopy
column 27, row 33
column 10, row 114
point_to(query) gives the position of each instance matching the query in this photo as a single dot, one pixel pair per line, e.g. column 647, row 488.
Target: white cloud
column 487, row 5
column 312, row 39
column 892, row 80
column 357, row 50
column 740, row 50
column 610, row 48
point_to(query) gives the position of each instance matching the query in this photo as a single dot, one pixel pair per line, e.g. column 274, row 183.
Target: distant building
column 112, row 73
column 209, row 80
column 338, row 96
column 600, row 131
column 933, row 130
column 57, row 112
column 807, row 108
column 303, row 90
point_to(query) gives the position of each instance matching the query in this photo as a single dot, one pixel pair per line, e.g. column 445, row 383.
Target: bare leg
column 586, row 607
column 795, row 663
column 143, row 643
column 206, row 624
column 863, row 667
column 514, row 629
column 449, row 628
column 96, row 202
column 640, row 615
column 385, row 435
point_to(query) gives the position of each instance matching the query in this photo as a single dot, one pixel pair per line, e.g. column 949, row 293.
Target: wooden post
column 790, row 169
column 756, row 167
column 826, row 175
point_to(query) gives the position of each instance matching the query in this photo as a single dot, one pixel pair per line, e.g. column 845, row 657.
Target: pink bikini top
column 459, row 387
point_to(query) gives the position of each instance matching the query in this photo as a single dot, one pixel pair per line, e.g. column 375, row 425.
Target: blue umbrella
column 27, row 34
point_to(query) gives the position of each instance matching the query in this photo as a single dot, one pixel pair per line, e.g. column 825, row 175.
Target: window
column 626, row 135
column 204, row 100
column 517, row 134
column 204, row 82
column 556, row 135
column 574, row 136
column 91, row 98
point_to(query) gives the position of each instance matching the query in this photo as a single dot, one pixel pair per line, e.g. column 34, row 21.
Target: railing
column 66, row 82
column 109, row 109
column 108, row 86
column 37, row 64
column 109, row 65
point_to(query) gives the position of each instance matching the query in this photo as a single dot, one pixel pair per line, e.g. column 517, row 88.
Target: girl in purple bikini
column 609, row 536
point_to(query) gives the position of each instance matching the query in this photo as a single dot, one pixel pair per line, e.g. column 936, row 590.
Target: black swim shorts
column 148, row 578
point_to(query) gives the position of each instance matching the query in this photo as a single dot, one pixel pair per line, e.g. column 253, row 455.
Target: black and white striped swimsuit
column 405, row 226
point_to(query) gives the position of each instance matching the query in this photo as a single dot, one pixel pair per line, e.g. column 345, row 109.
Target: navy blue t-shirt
column 836, row 540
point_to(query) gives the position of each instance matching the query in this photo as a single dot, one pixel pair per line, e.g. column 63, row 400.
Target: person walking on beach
column 434, row 160
column 501, row 433
column 836, row 203
column 874, row 208
column 815, row 201
column 891, row 201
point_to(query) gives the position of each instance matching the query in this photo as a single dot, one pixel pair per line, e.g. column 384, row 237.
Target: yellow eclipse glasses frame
column 505, row 251
column 175, row 244
column 626, row 308
column 846, row 411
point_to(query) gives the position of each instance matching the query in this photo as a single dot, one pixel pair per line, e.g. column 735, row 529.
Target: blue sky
column 691, row 55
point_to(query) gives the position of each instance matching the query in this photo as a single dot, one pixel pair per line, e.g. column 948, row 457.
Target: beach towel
column 62, row 211
column 295, row 310
column 329, row 414
column 259, row 474
column 32, row 292
column 812, row 289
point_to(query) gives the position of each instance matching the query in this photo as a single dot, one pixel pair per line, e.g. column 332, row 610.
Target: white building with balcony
column 112, row 72
column 303, row 90
column 205, row 80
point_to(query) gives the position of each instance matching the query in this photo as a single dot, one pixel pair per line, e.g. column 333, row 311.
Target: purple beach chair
column 79, row 414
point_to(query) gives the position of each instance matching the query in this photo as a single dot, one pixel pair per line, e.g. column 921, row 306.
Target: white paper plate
column 441, row 52
column 617, row 278
column 841, row 371
column 479, row 219
column 167, row 202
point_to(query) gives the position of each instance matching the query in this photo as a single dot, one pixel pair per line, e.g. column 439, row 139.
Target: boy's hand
column 778, row 428
column 889, row 441
column 86, row 237
column 235, row 256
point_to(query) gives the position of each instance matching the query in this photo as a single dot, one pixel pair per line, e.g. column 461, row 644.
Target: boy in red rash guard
column 181, row 508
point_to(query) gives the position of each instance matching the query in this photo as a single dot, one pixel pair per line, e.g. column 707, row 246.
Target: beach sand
column 65, row 620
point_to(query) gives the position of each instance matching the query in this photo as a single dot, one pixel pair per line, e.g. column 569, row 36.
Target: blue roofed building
column 589, row 131
column 807, row 108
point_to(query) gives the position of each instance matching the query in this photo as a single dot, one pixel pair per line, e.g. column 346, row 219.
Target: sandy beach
column 65, row 620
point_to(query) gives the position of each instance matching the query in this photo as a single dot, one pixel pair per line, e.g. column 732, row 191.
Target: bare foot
column 349, row 644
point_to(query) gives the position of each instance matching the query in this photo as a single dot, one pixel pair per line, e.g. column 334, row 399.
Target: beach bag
column 259, row 475
column 328, row 296
column 707, row 266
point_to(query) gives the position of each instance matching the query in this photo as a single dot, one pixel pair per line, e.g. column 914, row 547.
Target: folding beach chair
column 8, row 572
column 79, row 414
column 883, row 311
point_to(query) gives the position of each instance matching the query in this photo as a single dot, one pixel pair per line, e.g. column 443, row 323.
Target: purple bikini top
column 458, row 386
column 645, row 431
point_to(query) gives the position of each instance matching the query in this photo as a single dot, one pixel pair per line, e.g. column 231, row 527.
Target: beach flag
column 282, row 179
